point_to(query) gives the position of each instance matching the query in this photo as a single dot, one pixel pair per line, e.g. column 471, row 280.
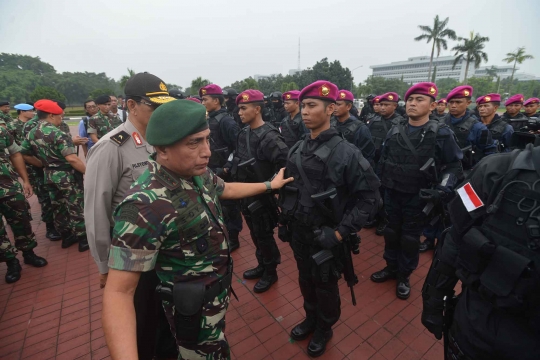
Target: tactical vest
column 218, row 146
column 248, row 173
column 497, row 129
column 348, row 131
column 462, row 130
column 290, row 130
column 400, row 167
column 520, row 121
column 379, row 129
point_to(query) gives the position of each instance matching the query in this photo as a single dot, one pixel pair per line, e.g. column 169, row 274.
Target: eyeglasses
column 154, row 107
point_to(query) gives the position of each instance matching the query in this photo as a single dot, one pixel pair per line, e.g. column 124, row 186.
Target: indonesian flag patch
column 469, row 197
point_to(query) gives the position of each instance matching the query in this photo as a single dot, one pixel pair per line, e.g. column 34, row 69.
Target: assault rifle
column 429, row 169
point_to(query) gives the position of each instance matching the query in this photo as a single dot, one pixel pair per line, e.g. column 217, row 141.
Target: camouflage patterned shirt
column 9, row 184
column 29, row 125
column 99, row 124
column 51, row 146
column 172, row 225
column 115, row 120
column 15, row 128
column 5, row 118
column 65, row 128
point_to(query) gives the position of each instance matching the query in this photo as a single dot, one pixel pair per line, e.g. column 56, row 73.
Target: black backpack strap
column 408, row 141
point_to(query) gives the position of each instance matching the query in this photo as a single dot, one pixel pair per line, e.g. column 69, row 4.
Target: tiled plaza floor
column 55, row 311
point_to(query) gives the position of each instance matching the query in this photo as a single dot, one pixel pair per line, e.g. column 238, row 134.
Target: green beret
column 173, row 121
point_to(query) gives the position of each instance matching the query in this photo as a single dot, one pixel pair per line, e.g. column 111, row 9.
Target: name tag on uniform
column 469, row 197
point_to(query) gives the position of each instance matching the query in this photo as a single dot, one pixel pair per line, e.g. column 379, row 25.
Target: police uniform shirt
column 113, row 164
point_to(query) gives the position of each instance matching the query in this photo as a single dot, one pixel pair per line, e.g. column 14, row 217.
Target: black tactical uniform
column 269, row 151
column 436, row 116
column 326, row 162
column 357, row 133
column 407, row 148
column 367, row 109
column 495, row 251
column 519, row 121
column 293, row 130
column 277, row 107
column 230, row 95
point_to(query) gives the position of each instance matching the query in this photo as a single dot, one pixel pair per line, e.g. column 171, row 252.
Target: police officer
column 5, row 118
column 513, row 114
column 468, row 130
column 501, row 131
column 230, row 95
column 223, row 134
column 352, row 129
column 276, row 100
column 113, row 165
column 531, row 107
column 440, row 112
column 100, row 124
column 493, row 249
column 323, row 162
column 261, row 143
column 292, row 127
column 408, row 146
column 171, row 220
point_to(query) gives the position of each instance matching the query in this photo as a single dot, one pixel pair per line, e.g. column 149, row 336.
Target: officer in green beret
column 171, row 221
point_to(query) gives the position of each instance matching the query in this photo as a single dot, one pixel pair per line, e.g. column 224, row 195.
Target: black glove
column 431, row 195
column 326, row 237
column 283, row 233
column 433, row 321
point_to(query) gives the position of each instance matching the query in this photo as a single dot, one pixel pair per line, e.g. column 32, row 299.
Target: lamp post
column 352, row 81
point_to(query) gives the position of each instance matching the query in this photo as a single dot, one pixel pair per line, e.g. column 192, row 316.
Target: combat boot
column 68, row 240
column 371, row 224
column 83, row 244
column 31, row 258
column 317, row 344
column 255, row 273
column 13, row 273
column 382, row 225
column 234, row 242
column 385, row 274
column 52, row 234
column 403, row 287
column 303, row 330
column 268, row 279
column 428, row 244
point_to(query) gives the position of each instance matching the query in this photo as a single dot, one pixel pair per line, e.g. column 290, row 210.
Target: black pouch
column 188, row 303
column 255, row 207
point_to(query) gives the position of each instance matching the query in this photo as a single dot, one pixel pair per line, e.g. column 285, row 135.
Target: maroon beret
column 460, row 92
column 345, row 95
column 443, row 101
column 423, row 88
column 531, row 101
column 488, row 98
column 518, row 98
column 193, row 99
column 211, row 89
column 249, row 96
column 322, row 89
column 389, row 96
column 376, row 99
column 291, row 95
column 48, row 106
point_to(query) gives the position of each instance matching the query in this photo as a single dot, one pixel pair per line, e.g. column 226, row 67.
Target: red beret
column 423, row 88
column 531, row 101
column 211, row 89
column 249, row 96
column 193, row 99
column 460, row 92
column 48, row 106
column 321, row 89
column 488, row 98
column 518, row 98
column 345, row 95
column 389, row 96
column 376, row 99
column 291, row 95
column 443, row 101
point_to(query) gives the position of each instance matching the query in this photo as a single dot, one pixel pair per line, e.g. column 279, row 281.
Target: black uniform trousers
column 318, row 284
column 402, row 235
column 231, row 215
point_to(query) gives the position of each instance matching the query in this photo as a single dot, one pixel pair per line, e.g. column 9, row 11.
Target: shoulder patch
column 129, row 213
column 120, row 138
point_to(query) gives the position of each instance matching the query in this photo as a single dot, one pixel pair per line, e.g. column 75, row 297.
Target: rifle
column 429, row 169
column 468, row 154
column 448, row 316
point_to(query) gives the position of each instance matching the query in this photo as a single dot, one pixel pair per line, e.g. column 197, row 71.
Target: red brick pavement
column 55, row 311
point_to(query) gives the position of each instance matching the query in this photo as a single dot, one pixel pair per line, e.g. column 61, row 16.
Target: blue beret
column 23, row 107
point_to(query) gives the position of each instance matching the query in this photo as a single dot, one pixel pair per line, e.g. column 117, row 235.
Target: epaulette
column 120, row 138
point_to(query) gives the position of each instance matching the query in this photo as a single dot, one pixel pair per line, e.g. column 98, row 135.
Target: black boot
column 428, row 244
column 303, row 330
column 317, row 344
column 371, row 224
column 403, row 288
column 83, row 244
column 52, row 234
column 31, row 258
column 255, row 273
column 381, row 227
column 68, row 240
column 13, row 273
column 269, row 277
column 383, row 275
column 234, row 243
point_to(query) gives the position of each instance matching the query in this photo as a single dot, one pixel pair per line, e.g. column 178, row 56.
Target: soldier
column 276, row 100
column 194, row 99
column 470, row 132
column 63, row 172
column 440, row 112
column 513, row 114
column 113, row 165
column 116, row 117
column 91, row 109
column 100, row 124
column 323, row 162
column 4, row 113
column 368, row 110
column 408, row 146
column 493, row 249
column 188, row 248
column 531, row 107
column 268, row 112
column 230, row 95
column 501, row 131
column 261, row 143
column 223, row 135
column 15, row 208
column 292, row 127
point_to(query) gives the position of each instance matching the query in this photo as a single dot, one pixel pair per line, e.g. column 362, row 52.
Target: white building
column 260, row 77
column 502, row 71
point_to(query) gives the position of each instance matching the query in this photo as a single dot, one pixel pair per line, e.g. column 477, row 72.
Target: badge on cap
column 342, row 95
column 324, row 90
column 288, row 96
column 162, row 86
column 245, row 97
column 487, row 99
column 377, row 100
column 466, row 92
column 136, row 138
column 432, row 91
column 521, row 99
column 203, row 91
column 390, row 97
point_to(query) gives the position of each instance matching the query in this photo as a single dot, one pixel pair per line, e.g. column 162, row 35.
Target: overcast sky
column 225, row 41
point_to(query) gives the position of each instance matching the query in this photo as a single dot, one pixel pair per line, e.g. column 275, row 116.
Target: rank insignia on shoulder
column 120, row 138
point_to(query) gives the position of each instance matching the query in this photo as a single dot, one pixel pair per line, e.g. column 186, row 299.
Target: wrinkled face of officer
column 531, row 109
column 316, row 113
column 187, row 157
column 457, row 107
column 513, row 109
column 441, row 107
column 387, row 108
column 487, row 109
column 342, row 108
column 291, row 106
column 249, row 112
column 105, row 108
column 114, row 103
column 419, row 107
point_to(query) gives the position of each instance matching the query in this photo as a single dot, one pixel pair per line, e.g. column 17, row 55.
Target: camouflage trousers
column 67, row 202
column 37, row 179
column 16, row 211
column 212, row 344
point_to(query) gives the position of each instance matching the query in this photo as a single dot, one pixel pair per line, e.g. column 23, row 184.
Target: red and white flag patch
column 469, row 197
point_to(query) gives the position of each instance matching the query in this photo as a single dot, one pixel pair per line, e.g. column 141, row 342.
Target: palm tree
column 198, row 83
column 470, row 50
column 492, row 73
column 125, row 78
column 437, row 35
column 517, row 57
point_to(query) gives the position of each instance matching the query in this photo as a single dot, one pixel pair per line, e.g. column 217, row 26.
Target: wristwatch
column 268, row 187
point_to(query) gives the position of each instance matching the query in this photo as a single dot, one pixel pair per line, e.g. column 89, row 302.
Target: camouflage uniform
column 177, row 227
column 13, row 205
column 99, row 124
column 5, row 118
column 65, row 128
column 51, row 145
column 115, row 120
